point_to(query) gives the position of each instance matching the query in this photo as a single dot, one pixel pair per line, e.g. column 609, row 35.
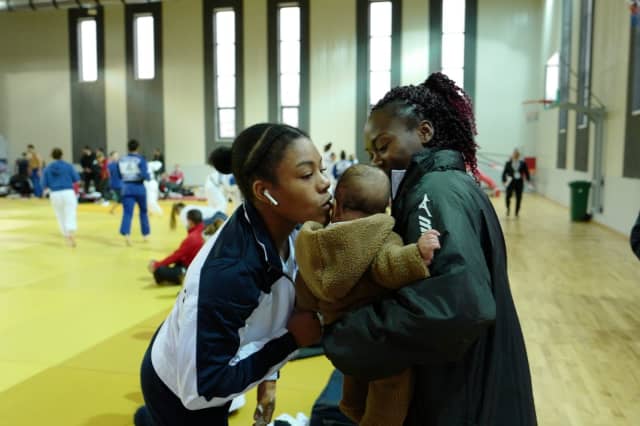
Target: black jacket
column 458, row 329
column 634, row 238
column 509, row 171
column 88, row 161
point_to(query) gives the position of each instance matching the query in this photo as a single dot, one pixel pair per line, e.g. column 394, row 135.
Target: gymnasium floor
column 74, row 323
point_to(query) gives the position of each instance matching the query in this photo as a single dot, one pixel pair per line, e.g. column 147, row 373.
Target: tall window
column 564, row 77
column 223, row 66
column 631, row 167
column 380, row 24
column 289, row 40
column 87, row 49
column 86, row 66
column 378, row 56
column 635, row 58
column 145, row 91
column 581, row 151
column 144, row 46
column 452, row 40
column 289, row 64
column 552, row 77
column 584, row 67
column 453, row 32
column 225, row 72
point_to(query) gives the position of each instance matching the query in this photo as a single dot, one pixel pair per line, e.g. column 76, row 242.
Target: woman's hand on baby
column 305, row 328
column 427, row 244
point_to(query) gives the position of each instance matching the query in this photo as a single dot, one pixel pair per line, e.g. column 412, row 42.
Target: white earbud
column 269, row 197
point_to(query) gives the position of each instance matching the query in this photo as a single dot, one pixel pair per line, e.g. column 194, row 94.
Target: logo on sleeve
column 424, row 221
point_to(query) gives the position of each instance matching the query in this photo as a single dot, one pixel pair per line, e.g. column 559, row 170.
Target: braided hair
column 256, row 153
column 445, row 105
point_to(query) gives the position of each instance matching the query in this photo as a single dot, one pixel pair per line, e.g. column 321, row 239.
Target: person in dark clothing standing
column 515, row 171
column 634, row 238
column 22, row 165
column 89, row 164
column 460, row 330
column 20, row 181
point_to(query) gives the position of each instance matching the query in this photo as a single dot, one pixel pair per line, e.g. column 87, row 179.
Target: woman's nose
column 325, row 183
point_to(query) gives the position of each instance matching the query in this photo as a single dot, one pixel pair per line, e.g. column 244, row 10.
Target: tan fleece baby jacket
column 349, row 264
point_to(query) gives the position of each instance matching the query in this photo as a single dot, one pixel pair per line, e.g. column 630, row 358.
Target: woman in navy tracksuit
column 232, row 327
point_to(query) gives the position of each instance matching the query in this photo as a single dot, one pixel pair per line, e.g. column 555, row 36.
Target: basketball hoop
column 532, row 108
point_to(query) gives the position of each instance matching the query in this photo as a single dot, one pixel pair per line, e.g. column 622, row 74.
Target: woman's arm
column 215, row 362
column 433, row 320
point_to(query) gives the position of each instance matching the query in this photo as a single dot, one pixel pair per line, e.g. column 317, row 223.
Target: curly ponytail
column 445, row 105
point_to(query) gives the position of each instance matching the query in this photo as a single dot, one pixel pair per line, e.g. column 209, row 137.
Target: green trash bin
column 579, row 200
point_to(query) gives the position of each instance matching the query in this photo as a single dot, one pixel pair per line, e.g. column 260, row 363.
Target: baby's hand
column 427, row 244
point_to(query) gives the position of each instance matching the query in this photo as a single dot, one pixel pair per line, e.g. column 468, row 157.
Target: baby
column 352, row 262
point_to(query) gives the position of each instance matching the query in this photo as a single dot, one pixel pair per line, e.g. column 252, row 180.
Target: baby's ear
column 333, row 213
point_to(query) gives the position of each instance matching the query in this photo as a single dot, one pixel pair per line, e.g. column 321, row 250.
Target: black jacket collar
column 427, row 161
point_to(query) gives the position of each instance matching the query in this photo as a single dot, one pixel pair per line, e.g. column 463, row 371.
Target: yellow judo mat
column 75, row 322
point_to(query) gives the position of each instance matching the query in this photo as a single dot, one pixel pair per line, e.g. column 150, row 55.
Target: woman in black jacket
column 513, row 176
column 459, row 329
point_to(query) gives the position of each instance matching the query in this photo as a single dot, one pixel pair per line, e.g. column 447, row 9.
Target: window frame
column 585, row 54
column 88, row 98
column 634, row 59
column 585, row 61
column 134, row 30
column 470, row 42
column 79, row 48
column 370, row 101
column 273, row 40
column 145, row 97
column 548, row 66
column 363, row 102
column 564, row 81
column 212, row 122
column 631, row 166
